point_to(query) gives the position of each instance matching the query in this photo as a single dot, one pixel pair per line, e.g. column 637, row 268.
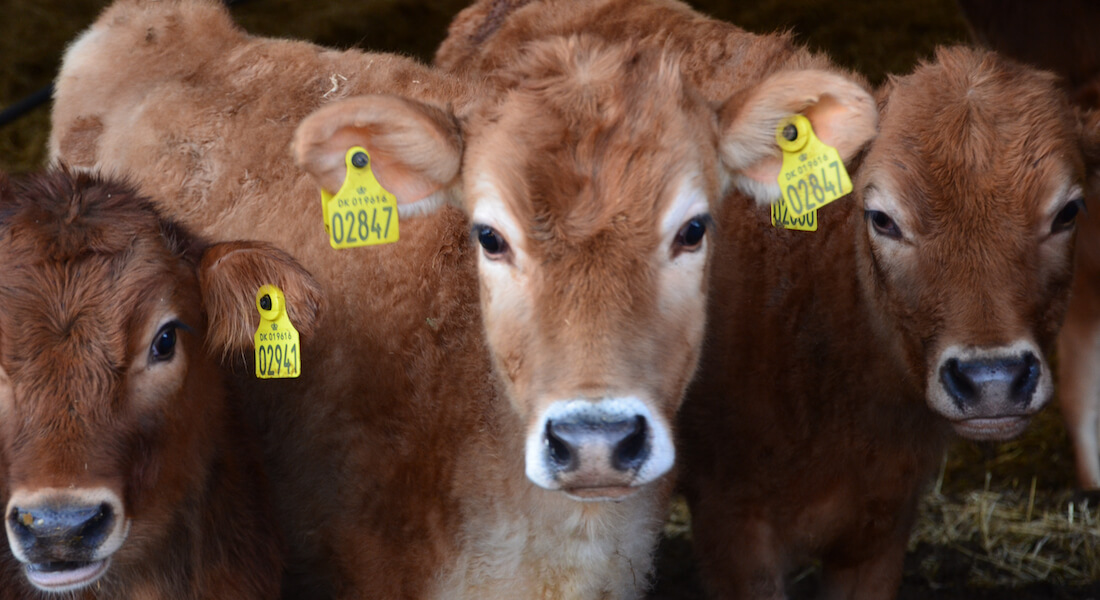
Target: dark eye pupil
column 165, row 344
column 691, row 234
column 883, row 224
column 490, row 240
column 1065, row 217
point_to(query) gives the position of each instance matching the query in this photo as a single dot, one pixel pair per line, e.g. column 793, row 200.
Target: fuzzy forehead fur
column 978, row 126
column 589, row 134
column 80, row 253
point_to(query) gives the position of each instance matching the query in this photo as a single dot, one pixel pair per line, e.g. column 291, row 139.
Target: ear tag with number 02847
column 362, row 213
column 812, row 175
column 278, row 354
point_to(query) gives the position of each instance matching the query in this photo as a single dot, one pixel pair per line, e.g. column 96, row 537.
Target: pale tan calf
column 438, row 445
column 836, row 361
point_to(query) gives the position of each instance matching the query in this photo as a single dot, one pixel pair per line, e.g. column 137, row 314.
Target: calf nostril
column 1026, row 379
column 957, row 383
column 561, row 458
column 21, row 522
column 95, row 529
column 632, row 451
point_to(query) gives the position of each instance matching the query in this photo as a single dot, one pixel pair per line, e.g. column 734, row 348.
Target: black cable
column 43, row 95
column 26, row 105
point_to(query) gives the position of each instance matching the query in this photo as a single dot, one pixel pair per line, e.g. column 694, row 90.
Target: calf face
column 589, row 180
column 111, row 410
column 968, row 245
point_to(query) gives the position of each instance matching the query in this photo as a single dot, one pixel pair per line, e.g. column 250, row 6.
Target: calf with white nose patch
column 125, row 471
column 527, row 341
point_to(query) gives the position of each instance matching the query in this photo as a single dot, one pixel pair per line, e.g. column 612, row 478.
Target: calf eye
column 1064, row 220
column 883, row 224
column 494, row 245
column 690, row 236
column 164, row 344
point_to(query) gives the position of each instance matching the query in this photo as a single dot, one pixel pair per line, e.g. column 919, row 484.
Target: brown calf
column 838, row 362
column 125, row 471
column 1061, row 36
column 441, row 445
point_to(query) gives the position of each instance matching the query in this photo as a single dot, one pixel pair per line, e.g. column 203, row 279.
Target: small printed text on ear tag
column 813, row 174
column 278, row 353
column 781, row 217
column 362, row 213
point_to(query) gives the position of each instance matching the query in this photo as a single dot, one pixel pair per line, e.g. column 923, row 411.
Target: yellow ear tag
column 781, row 217
column 362, row 213
column 277, row 350
column 812, row 175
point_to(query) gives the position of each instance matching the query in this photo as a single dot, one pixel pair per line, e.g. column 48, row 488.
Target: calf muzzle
column 989, row 393
column 64, row 542
column 623, row 443
column 598, row 449
column 1009, row 380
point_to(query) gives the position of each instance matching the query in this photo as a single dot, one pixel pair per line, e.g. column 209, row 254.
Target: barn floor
column 1002, row 521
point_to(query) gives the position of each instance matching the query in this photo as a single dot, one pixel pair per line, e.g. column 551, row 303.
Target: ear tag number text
column 781, row 217
column 278, row 353
column 812, row 175
column 362, row 213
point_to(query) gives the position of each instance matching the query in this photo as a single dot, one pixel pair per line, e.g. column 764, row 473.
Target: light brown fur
column 93, row 277
column 221, row 109
column 399, row 456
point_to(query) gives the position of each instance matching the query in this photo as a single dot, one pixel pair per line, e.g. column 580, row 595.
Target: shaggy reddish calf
column 124, row 469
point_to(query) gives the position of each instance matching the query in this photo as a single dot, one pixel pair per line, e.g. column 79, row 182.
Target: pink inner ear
column 396, row 177
column 838, row 125
column 401, row 181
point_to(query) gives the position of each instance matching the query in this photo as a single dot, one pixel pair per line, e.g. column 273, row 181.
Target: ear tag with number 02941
column 812, row 175
column 278, row 354
column 362, row 213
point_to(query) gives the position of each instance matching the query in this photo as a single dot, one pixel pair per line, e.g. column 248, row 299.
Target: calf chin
column 990, row 393
column 602, row 449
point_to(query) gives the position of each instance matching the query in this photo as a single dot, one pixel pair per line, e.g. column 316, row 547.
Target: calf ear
column 229, row 276
column 840, row 109
column 415, row 149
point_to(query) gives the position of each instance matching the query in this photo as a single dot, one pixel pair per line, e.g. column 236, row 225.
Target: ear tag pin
column 362, row 212
column 278, row 353
column 811, row 177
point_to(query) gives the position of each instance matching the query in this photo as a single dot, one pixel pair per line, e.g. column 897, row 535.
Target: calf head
column 589, row 179
column 111, row 409
column 970, row 194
